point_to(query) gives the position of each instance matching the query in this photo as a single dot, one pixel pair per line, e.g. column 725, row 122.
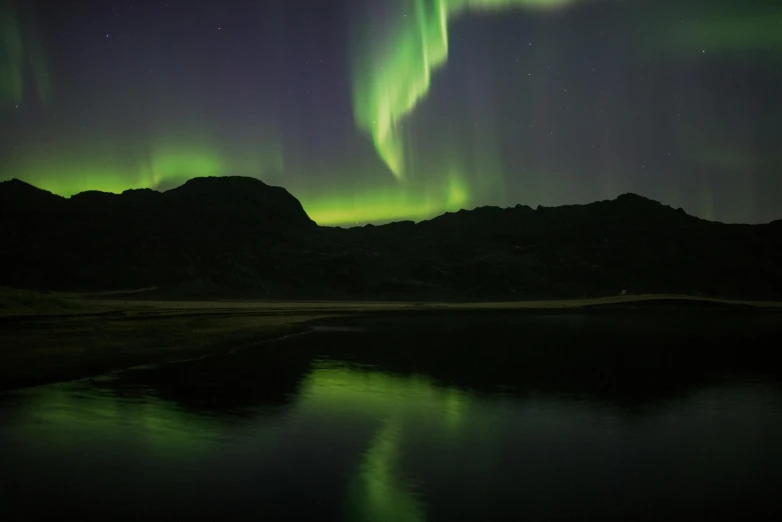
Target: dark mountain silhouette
column 18, row 196
column 238, row 237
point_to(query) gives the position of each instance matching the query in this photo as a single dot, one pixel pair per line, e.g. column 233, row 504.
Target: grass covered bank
column 40, row 350
column 47, row 338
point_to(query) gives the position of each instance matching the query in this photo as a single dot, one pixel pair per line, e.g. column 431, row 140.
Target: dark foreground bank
column 44, row 348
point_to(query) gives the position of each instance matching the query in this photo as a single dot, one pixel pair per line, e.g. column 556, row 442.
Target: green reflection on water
column 159, row 425
column 380, row 491
column 391, row 412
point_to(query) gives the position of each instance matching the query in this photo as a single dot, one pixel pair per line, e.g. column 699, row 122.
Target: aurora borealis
column 378, row 110
column 390, row 82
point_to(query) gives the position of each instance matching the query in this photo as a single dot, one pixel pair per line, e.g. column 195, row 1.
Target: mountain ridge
column 15, row 184
column 239, row 237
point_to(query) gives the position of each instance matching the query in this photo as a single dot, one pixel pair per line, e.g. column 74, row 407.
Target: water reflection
column 380, row 490
column 284, row 434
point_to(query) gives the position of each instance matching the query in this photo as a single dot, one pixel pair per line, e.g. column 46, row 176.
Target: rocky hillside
column 238, row 237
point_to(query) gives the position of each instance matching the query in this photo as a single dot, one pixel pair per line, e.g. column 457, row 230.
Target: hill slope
column 238, row 237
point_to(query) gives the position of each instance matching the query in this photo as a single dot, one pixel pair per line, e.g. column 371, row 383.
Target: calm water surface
column 503, row 417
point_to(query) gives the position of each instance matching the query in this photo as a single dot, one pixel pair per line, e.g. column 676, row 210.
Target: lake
column 424, row 417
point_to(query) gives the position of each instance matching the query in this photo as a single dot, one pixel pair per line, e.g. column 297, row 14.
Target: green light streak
column 11, row 58
column 730, row 32
column 392, row 71
column 387, row 203
column 166, row 163
column 20, row 51
column 170, row 166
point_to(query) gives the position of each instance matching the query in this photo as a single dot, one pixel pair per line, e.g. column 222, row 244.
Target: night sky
column 378, row 110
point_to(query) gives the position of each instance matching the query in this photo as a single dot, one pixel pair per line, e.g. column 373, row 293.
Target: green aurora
column 21, row 57
column 416, row 172
column 170, row 165
column 729, row 28
column 390, row 203
column 163, row 160
column 385, row 89
column 393, row 74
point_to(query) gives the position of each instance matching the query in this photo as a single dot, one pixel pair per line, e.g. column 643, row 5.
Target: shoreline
column 40, row 349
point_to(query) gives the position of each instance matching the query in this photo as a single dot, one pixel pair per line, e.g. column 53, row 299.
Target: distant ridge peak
column 18, row 183
column 262, row 205
column 629, row 195
column 632, row 196
column 221, row 180
column 16, row 195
